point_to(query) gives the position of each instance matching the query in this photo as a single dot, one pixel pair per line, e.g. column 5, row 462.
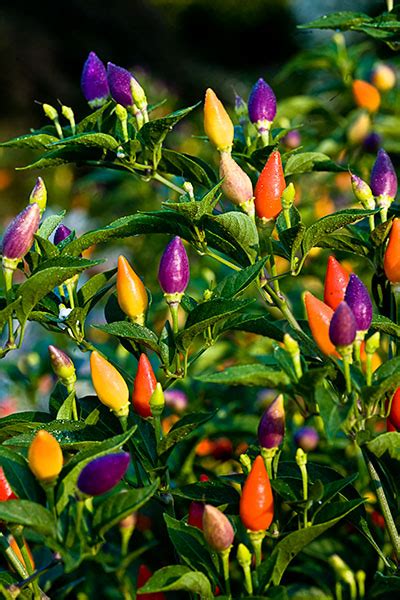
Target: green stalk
column 179, row 190
column 174, row 310
column 9, row 553
column 256, row 538
column 301, row 460
column 224, row 555
column 8, row 281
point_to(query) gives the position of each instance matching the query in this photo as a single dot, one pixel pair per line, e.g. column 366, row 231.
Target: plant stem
column 224, row 555
column 8, row 281
column 383, row 503
column 179, row 190
column 9, row 553
column 256, row 538
column 248, row 582
column 286, row 214
column 301, row 460
column 174, row 310
column 223, row 261
column 27, row 560
column 371, row 220
column 49, row 489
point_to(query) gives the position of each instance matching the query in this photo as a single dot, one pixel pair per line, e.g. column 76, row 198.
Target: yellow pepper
column 217, row 123
column 109, row 384
column 131, row 293
column 45, row 456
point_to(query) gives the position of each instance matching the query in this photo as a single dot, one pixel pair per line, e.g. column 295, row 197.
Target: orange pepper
column 143, row 387
column 131, row 293
column 394, row 415
column 17, row 551
column 269, row 188
column 257, row 502
column 217, row 123
column 391, row 261
column 6, row 492
column 336, row 280
column 366, row 95
column 45, row 456
column 109, row 385
column 319, row 317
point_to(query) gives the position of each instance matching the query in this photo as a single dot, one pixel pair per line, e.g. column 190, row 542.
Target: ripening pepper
column 336, row 280
column 362, row 192
column 217, row 529
column 383, row 77
column 217, row 123
column 319, row 317
column 131, row 293
column 94, row 82
column 143, row 387
column 306, row 438
column 173, row 272
column 109, row 385
column 45, row 457
column 269, row 188
column 359, row 301
column 271, row 428
column 18, row 237
column 391, row 261
column 359, row 128
column 103, row 473
column 61, row 234
column 13, row 543
column 366, row 95
column 257, row 502
column 61, row 364
column 6, row 492
column 236, row 185
column 394, row 415
column 343, row 326
column 383, row 177
column 262, row 105
column 144, row 575
column 176, row 399
column 195, row 516
column 292, row 139
column 372, row 142
column 39, row 195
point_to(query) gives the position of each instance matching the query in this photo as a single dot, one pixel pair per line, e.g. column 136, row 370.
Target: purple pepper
column 292, row 139
column 306, row 438
column 61, row 233
column 18, row 237
column 343, row 326
column 262, row 102
column 173, row 273
column 103, row 473
column 271, row 428
column 119, row 80
column 176, row 399
column 383, row 176
column 372, row 142
column 94, row 82
column 359, row 301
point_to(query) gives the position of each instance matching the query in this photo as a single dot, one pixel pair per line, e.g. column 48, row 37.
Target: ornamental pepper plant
column 210, row 407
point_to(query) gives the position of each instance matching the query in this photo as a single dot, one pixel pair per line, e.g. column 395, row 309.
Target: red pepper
column 6, row 492
column 336, row 280
column 143, row 387
column 269, row 188
column 257, row 502
column 144, row 575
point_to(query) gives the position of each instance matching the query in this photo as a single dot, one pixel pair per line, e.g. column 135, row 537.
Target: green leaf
column 101, row 140
column 118, row 506
column 272, row 570
column 304, row 162
column 206, row 315
column 264, row 326
column 154, row 132
column 19, row 475
column 342, row 20
column 94, row 118
column 28, row 514
column 137, row 333
column 215, row 491
column 385, row 325
column 65, row 410
column 182, row 429
column 47, row 248
column 386, row 442
column 251, row 375
column 170, row 579
column 188, row 167
column 234, row 233
column 194, row 210
column 332, row 412
column 50, row 224
column 70, row 434
column 317, row 231
column 52, row 273
column 236, row 283
column 36, row 141
column 96, row 284
column 67, row 485
column 191, row 547
column 384, row 587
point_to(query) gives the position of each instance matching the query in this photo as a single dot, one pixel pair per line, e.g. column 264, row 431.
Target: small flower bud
column 262, row 105
column 306, row 438
column 243, row 556
column 129, row 522
column 157, row 401
column 18, row 237
column 173, row 272
column 94, row 82
column 343, row 326
column 39, row 195
column 271, row 428
column 121, row 112
column 61, row 233
column 50, row 112
column 301, row 457
column 372, row 343
column 103, row 473
column 291, row 345
column 217, row 529
column 237, row 185
column 138, row 94
column 359, row 301
column 362, row 192
column 61, row 364
column 288, row 196
column 383, row 177
column 45, row 457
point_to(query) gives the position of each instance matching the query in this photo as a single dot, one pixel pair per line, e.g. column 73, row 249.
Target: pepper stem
column 268, row 455
column 8, row 274
column 301, row 460
column 256, row 538
column 224, row 555
column 174, row 310
column 346, row 353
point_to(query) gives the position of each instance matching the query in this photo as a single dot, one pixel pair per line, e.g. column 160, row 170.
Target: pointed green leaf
column 170, row 579
column 255, row 374
column 29, row 514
